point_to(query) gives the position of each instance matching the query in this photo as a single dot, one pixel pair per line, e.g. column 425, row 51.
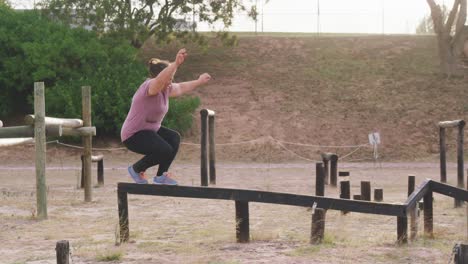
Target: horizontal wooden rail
column 454, row 123
column 28, row 131
column 65, row 122
column 8, row 142
column 81, row 131
column 264, row 197
column 448, row 190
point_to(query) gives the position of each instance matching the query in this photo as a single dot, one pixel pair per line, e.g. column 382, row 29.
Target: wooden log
column 123, row 216
column 443, row 158
column 28, row 131
column 378, row 195
column 366, row 190
column 8, row 142
column 454, row 123
column 87, row 143
column 402, row 230
column 318, row 226
column 242, row 222
column 428, row 215
column 64, row 122
column 203, row 148
column 212, row 150
column 343, row 173
column 40, row 149
column 319, row 179
column 63, row 252
column 460, row 163
column 81, row 131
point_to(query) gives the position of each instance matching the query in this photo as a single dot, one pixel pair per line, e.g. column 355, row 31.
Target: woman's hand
column 180, row 57
column 204, row 78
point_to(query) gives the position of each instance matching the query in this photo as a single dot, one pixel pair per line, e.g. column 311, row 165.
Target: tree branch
column 437, row 18
column 452, row 16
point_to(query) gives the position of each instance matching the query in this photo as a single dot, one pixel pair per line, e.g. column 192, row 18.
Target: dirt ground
column 182, row 230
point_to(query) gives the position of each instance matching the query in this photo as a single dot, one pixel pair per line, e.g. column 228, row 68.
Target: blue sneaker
column 136, row 176
column 164, row 179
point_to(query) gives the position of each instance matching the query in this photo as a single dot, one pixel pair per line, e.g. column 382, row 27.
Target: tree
column 138, row 20
column 451, row 35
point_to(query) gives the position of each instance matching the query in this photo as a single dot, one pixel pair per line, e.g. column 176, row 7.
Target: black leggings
column 158, row 147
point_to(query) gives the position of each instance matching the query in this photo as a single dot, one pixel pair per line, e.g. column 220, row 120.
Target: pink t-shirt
column 146, row 112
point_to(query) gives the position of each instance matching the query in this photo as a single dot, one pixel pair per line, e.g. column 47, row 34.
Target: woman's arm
column 186, row 87
column 164, row 78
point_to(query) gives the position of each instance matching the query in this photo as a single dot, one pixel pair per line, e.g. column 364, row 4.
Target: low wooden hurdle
column 100, row 169
column 39, row 126
column 207, row 142
column 243, row 197
column 460, row 125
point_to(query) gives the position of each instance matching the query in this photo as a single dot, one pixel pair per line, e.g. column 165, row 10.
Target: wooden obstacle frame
column 460, row 125
column 243, row 197
column 39, row 127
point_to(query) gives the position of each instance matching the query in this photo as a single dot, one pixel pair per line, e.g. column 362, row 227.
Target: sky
column 336, row 16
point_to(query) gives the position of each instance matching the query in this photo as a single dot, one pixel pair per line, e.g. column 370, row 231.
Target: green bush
column 32, row 48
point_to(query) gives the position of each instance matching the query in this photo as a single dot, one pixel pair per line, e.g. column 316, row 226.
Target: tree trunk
column 451, row 46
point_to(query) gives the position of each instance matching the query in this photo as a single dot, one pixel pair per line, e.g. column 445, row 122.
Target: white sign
column 374, row 138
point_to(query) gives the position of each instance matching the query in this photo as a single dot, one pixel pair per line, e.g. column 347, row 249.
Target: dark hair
column 155, row 66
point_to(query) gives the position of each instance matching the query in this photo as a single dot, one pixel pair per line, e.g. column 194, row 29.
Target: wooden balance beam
column 242, row 198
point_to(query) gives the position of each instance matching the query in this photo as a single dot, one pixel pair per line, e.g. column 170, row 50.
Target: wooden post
column 242, row 222
column 402, row 230
column 345, row 191
column 318, row 226
column 460, row 163
column 443, row 159
column 428, row 215
column 412, row 211
column 87, row 143
column 212, row 156
column 40, row 147
column 378, row 195
column 366, row 190
column 319, row 180
column 325, row 171
column 82, row 172
column 63, row 252
column 333, row 169
column 123, row 216
column 100, row 172
column 461, row 256
column 203, row 158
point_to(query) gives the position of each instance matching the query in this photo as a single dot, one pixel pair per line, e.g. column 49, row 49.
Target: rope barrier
column 280, row 143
